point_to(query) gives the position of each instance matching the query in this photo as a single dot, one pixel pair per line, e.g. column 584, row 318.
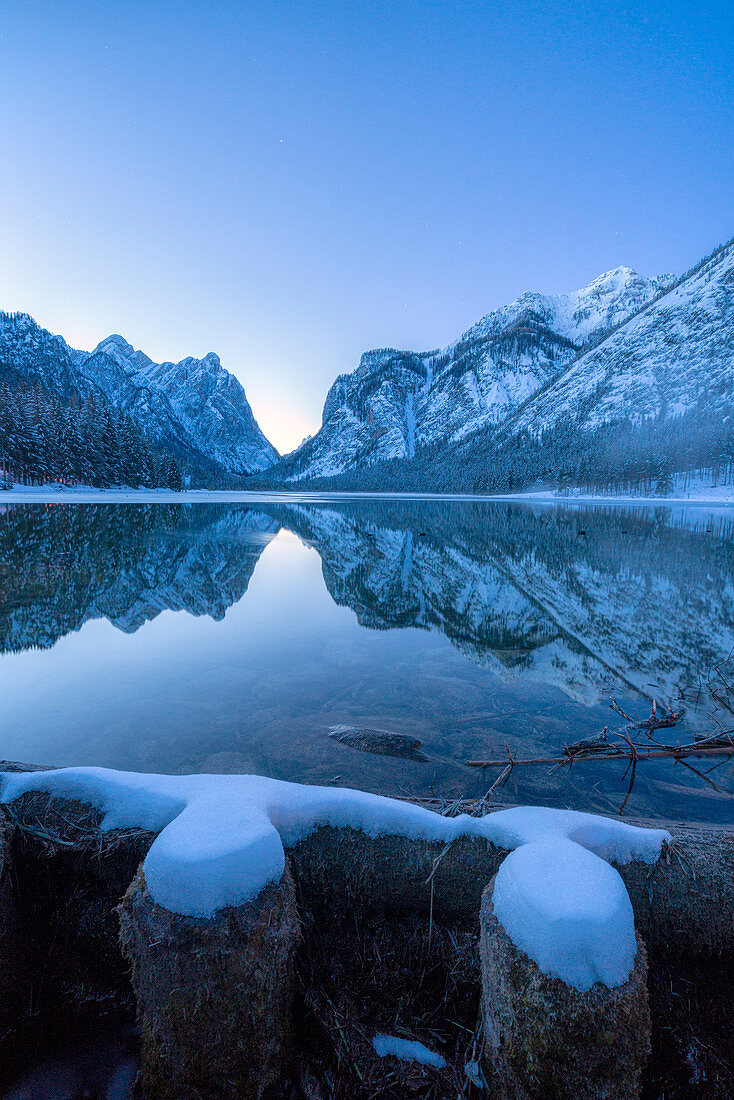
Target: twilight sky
column 291, row 183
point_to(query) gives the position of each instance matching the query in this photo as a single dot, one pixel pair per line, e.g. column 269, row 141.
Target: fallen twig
column 633, row 766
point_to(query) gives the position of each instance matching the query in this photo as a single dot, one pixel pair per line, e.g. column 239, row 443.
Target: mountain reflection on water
column 524, row 621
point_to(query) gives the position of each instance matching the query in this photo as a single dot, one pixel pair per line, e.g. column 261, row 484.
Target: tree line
column 82, row 442
column 644, row 457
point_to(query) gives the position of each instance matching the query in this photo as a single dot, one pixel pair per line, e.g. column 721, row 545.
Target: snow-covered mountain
column 206, row 402
column 675, row 354
column 397, row 401
column 194, row 408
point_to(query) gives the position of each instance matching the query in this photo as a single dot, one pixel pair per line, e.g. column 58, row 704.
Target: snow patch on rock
column 221, row 841
column 568, row 910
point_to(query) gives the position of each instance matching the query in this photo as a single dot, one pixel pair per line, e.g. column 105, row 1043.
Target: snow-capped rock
column 396, row 401
column 222, row 837
column 207, row 403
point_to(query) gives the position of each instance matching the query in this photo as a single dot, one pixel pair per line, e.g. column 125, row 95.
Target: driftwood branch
column 677, row 752
column 599, row 747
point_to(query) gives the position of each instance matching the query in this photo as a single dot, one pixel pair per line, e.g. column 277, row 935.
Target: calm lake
column 231, row 637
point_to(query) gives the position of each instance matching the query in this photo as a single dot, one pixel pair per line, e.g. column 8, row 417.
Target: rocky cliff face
column 207, row 404
column 398, row 401
column 194, row 408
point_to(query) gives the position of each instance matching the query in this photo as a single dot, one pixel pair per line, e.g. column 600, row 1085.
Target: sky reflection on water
column 230, row 637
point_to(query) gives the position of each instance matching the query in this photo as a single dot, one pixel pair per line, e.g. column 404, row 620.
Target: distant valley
column 622, row 384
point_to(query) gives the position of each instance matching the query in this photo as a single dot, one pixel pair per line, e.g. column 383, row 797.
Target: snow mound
column 220, row 837
column 408, row 1050
column 607, row 837
column 568, row 911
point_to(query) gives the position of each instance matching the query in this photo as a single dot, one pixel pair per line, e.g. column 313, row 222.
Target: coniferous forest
column 619, row 457
column 82, row 442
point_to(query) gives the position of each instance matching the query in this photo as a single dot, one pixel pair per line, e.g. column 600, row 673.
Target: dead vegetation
column 692, row 1006
column 412, row 978
column 636, row 741
column 357, row 975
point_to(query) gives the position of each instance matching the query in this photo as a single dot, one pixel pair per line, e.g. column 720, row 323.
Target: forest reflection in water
column 214, row 636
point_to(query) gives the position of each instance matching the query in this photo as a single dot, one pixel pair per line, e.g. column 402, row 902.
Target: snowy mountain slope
column 30, row 353
column 675, row 353
column 397, row 401
column 194, row 408
column 207, row 403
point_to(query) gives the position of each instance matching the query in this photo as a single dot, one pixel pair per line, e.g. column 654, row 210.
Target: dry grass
column 692, row 1006
column 405, row 978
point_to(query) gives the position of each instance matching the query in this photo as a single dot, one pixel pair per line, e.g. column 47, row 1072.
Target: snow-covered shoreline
column 221, row 840
column 50, row 494
column 566, row 904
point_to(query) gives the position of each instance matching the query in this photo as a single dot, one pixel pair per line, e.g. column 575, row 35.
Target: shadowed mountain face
column 195, row 409
column 581, row 599
column 397, row 402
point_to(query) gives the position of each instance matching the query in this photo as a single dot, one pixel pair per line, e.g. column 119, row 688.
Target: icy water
column 185, row 637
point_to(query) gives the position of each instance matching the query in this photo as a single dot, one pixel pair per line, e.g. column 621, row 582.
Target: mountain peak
column 114, row 342
column 660, row 361
column 620, row 272
column 396, row 401
column 117, row 348
column 615, row 281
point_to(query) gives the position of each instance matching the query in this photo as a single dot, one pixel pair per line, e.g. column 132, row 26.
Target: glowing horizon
column 291, row 186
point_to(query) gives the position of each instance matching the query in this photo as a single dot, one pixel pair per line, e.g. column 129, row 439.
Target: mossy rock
column 543, row 1038
column 340, row 870
column 214, row 996
column 684, row 902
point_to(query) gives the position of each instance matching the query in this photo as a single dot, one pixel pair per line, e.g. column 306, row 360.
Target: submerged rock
column 380, row 742
column 544, row 1038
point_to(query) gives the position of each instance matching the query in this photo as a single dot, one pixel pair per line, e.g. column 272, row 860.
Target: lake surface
column 187, row 637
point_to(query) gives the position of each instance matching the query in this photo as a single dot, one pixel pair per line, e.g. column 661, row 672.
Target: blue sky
column 288, row 184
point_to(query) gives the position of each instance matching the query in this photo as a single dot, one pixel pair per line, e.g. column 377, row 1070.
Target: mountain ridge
column 396, row 402
column 628, row 370
column 705, row 326
column 195, row 408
